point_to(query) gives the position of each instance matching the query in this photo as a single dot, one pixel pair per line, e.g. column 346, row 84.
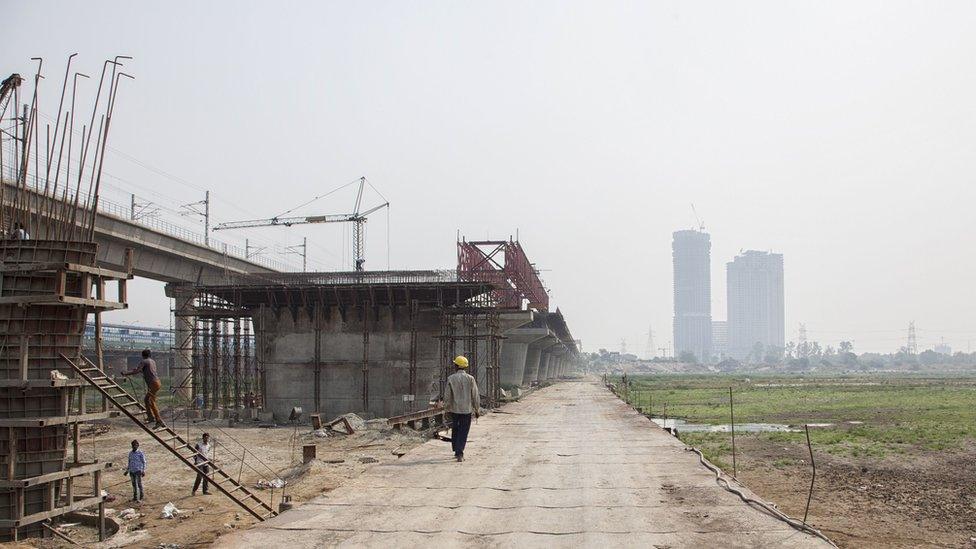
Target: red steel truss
column 504, row 265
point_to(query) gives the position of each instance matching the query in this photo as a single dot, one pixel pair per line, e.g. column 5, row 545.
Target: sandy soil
column 923, row 500
column 204, row 518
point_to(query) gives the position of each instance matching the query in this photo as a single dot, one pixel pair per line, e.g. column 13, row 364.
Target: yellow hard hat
column 461, row 361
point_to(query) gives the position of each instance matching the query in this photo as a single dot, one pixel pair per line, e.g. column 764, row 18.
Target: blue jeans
column 136, row 479
column 460, row 425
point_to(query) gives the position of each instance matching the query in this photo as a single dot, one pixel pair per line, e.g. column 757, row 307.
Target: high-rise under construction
column 691, row 253
column 756, row 309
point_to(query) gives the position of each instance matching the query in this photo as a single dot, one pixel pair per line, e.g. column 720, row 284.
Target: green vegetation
column 900, row 414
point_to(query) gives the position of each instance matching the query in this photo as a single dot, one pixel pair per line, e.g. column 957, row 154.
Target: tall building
column 690, row 252
column 720, row 339
column 756, row 309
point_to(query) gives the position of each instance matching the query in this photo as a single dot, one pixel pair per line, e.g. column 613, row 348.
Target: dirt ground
column 203, row 518
column 926, row 499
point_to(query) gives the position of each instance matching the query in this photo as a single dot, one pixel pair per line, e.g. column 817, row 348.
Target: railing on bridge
column 123, row 212
column 123, row 337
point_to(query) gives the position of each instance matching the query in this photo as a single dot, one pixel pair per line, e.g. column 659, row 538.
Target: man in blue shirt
column 136, row 470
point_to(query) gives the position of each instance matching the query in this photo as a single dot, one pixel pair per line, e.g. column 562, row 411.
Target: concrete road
column 568, row 466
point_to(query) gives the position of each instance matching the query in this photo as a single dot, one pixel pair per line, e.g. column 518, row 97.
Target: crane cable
column 357, row 180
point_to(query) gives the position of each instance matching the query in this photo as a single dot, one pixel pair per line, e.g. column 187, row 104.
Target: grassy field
column 899, row 414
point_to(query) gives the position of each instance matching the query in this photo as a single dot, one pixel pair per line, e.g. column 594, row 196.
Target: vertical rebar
column 237, row 364
column 806, row 511
column 732, row 423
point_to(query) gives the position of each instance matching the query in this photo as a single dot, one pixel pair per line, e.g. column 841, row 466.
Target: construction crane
column 357, row 218
column 701, row 225
column 6, row 88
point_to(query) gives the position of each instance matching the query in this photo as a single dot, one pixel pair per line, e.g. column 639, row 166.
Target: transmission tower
column 802, row 348
column 623, row 346
column 912, row 346
column 649, row 352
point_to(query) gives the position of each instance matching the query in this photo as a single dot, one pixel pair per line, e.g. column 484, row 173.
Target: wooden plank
column 94, row 303
column 29, row 267
column 73, row 471
column 52, row 420
column 38, row 517
column 51, row 298
column 86, row 285
column 24, row 364
column 61, row 282
column 72, row 267
column 97, row 271
column 12, row 461
column 32, row 383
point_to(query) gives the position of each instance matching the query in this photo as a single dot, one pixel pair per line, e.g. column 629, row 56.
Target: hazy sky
column 840, row 134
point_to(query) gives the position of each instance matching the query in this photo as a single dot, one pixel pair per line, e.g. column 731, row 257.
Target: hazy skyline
column 838, row 134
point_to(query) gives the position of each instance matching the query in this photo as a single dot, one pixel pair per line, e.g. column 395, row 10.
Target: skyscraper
column 720, row 339
column 756, row 309
column 690, row 252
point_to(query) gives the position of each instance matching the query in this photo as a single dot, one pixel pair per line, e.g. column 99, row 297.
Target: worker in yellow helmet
column 462, row 400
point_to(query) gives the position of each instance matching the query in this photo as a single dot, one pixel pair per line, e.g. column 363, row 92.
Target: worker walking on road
column 461, row 399
column 148, row 368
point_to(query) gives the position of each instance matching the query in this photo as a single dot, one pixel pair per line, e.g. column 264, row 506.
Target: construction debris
column 275, row 483
column 170, row 510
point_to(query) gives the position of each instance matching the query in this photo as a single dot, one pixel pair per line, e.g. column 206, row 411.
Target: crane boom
column 357, row 218
column 286, row 221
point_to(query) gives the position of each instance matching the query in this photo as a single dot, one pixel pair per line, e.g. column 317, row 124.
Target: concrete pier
column 515, row 353
column 531, row 370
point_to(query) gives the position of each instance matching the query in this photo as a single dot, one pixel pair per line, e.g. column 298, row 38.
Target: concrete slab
column 568, row 466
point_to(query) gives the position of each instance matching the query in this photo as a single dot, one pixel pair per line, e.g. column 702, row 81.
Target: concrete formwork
column 291, row 343
column 46, row 295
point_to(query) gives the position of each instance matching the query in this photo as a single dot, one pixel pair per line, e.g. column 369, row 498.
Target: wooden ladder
column 171, row 440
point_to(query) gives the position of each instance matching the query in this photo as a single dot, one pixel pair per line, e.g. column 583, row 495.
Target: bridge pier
column 532, row 356
column 183, row 324
column 544, row 365
column 515, row 353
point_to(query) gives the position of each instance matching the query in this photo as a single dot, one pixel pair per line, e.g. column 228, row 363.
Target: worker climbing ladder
column 171, row 440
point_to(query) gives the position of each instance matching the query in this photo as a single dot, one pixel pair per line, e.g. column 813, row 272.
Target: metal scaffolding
column 222, row 375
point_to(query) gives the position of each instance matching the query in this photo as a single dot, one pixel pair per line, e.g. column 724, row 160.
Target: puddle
column 684, row 427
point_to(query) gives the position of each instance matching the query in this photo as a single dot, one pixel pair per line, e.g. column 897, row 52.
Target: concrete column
column 531, row 371
column 512, row 362
column 515, row 352
column 558, row 352
column 544, row 366
column 182, row 374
